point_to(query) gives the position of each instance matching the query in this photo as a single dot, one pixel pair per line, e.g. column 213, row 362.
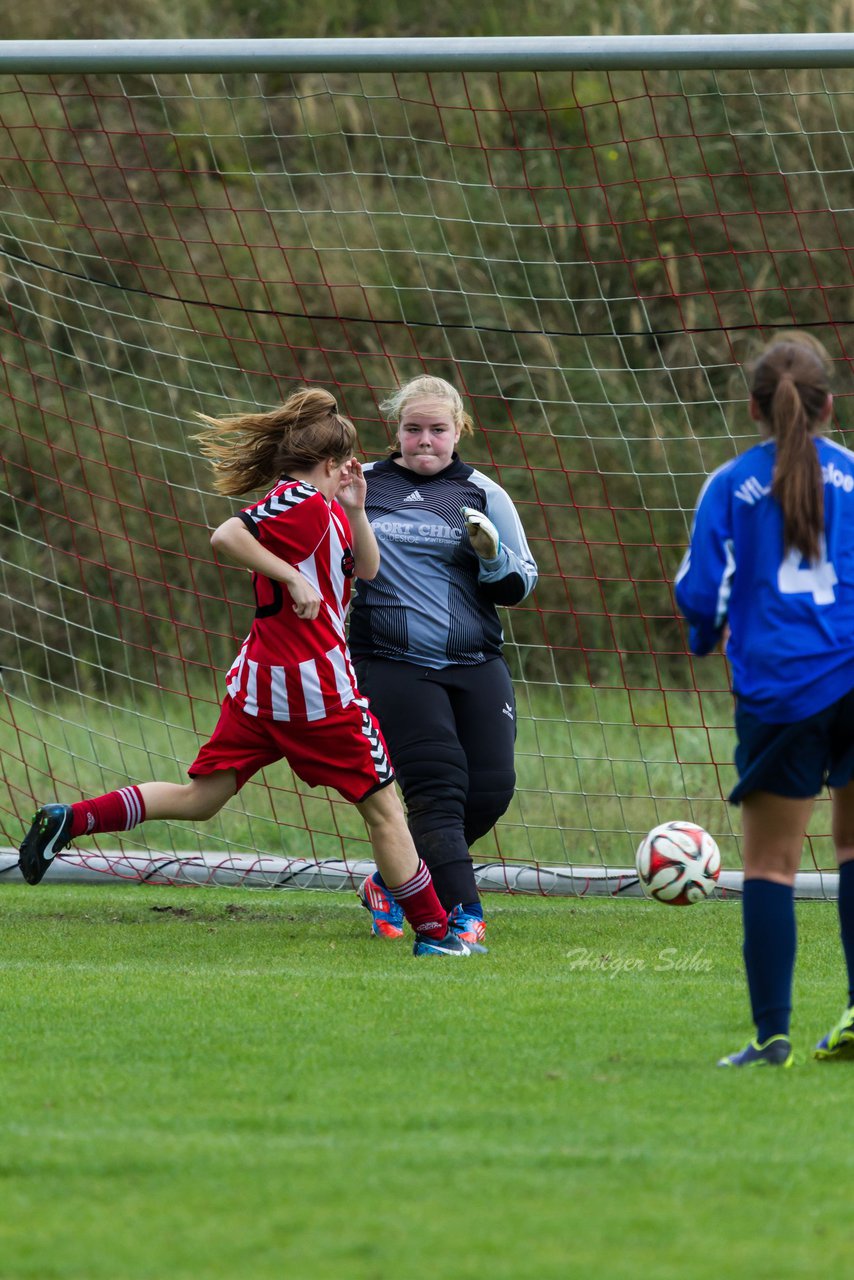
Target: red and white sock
column 116, row 811
column 420, row 905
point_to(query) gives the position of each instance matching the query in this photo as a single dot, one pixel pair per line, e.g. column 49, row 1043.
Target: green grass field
column 207, row 1083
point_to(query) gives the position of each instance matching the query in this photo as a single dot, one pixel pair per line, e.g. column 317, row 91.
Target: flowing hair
column 252, row 450
column 790, row 387
column 420, row 389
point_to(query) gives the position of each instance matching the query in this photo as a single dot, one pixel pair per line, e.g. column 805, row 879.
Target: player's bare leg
column 843, row 822
column 773, row 829
column 199, row 799
column 394, row 852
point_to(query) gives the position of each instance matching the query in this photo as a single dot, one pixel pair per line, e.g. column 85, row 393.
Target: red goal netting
column 590, row 257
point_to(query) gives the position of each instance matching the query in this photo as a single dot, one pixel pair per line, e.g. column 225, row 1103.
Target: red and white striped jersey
column 291, row 668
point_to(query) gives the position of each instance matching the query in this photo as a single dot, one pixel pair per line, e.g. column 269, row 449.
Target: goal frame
column 570, row 53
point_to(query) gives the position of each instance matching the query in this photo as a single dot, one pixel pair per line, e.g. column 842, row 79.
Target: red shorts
column 346, row 751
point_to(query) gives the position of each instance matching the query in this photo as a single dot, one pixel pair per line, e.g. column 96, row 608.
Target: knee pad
column 488, row 798
column 433, row 778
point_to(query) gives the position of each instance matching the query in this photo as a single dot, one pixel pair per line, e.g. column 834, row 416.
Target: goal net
column 589, row 255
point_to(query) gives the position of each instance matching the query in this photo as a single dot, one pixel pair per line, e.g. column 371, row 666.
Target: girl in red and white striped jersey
column 291, row 692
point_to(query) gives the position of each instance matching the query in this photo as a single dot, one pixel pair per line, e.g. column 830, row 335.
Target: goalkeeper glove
column 482, row 533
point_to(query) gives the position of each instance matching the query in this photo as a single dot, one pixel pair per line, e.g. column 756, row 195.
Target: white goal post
column 589, row 236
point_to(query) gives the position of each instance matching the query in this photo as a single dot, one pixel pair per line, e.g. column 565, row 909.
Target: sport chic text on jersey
column 433, row 600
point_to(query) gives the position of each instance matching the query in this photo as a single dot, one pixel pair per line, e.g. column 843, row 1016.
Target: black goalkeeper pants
column 451, row 736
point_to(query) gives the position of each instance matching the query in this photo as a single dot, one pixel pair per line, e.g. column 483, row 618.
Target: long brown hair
column 790, row 387
column 251, row 450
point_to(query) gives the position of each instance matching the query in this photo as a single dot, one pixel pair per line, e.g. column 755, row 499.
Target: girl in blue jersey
column 427, row 642
column 772, row 559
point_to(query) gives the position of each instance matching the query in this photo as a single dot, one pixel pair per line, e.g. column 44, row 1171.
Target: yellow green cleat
column 838, row 1044
column 775, row 1052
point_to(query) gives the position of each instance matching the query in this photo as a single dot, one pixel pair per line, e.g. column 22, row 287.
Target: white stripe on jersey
column 275, row 504
column 250, row 701
column 279, row 694
column 314, row 677
column 232, row 684
column 308, row 569
column 337, row 622
column 315, row 708
column 337, row 545
column 343, row 679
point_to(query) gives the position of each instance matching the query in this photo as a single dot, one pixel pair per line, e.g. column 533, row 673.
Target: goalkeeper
column 427, row 643
column 772, row 558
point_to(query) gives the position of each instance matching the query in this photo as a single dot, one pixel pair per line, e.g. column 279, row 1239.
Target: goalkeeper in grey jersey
column 427, row 643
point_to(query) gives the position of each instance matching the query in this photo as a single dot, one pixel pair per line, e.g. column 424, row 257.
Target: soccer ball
column 678, row 863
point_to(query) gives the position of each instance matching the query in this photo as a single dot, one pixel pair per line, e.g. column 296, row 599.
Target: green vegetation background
column 603, row 440
column 581, row 253
column 280, row 19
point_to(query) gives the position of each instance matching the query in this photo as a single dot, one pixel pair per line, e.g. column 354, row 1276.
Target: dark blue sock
column 770, row 942
column 846, row 921
column 473, row 909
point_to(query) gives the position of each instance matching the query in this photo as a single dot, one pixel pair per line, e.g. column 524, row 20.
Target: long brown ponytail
column 790, row 388
column 251, row 450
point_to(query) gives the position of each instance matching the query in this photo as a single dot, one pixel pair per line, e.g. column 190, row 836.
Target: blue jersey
column 433, row 600
column 791, row 644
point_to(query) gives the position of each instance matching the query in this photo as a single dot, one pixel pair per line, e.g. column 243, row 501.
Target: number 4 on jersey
column 817, row 579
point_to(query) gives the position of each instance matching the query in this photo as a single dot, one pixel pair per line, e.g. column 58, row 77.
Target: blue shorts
column 795, row 759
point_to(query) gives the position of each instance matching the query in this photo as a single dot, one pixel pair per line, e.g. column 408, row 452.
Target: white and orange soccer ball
column 678, row 863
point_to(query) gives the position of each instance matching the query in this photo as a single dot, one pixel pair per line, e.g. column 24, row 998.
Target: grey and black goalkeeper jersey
column 433, row 600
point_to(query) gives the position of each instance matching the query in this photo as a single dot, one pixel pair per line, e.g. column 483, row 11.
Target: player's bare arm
column 352, row 495
column 234, row 540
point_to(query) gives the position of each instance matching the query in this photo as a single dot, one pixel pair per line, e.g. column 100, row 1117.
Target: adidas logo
column 414, row 496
